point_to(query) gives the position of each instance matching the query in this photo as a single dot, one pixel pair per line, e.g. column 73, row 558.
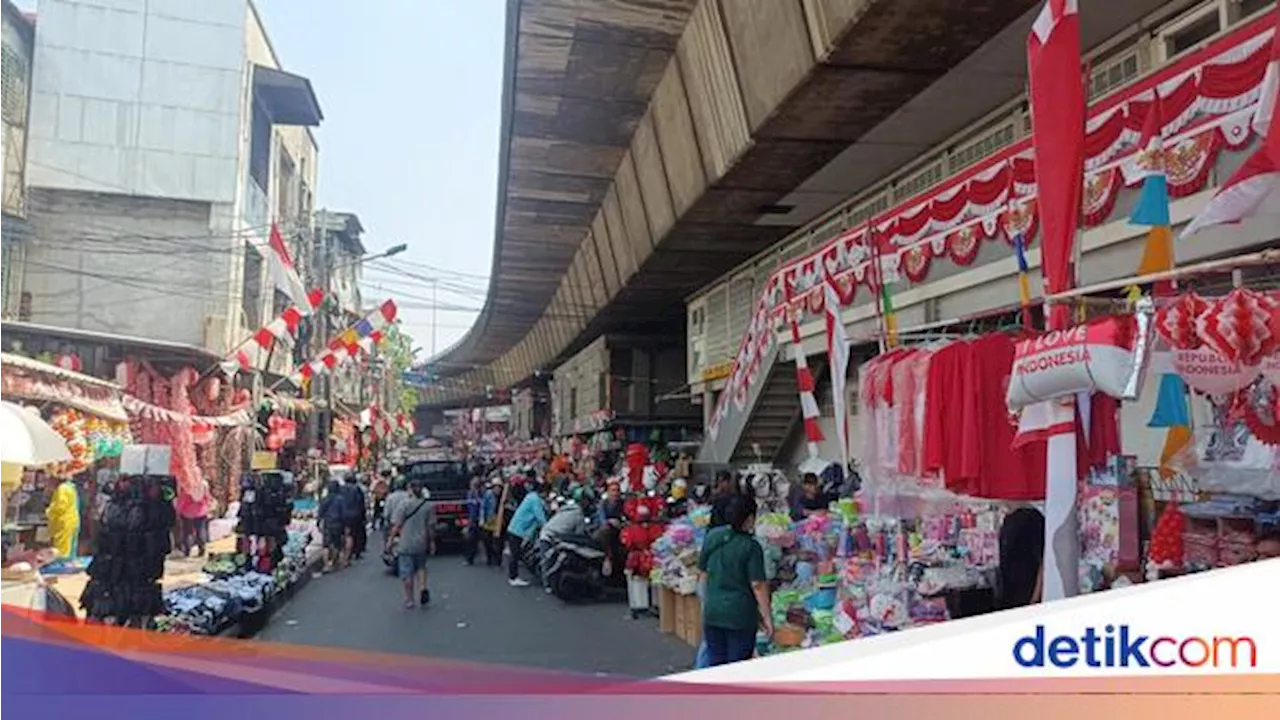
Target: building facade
column 953, row 212
column 166, row 141
column 621, row 380
column 18, row 50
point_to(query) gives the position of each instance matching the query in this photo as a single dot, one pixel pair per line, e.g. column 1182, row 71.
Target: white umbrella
column 26, row 439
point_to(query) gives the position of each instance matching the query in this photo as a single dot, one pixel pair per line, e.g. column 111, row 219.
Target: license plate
column 448, row 507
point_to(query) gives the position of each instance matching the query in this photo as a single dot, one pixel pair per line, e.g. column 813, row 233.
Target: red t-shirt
column 990, row 466
column 944, row 411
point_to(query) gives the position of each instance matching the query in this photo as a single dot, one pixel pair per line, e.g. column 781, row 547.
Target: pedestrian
column 399, row 493
column 475, row 517
column 333, row 523
column 193, row 522
column 1021, row 559
column 737, row 600
column 413, row 532
column 490, row 519
column 356, row 507
column 722, row 491
column 525, row 524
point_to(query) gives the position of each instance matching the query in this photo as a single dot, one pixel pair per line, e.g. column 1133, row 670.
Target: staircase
column 770, row 418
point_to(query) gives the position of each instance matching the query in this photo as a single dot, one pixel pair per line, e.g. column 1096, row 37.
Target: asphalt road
column 475, row 616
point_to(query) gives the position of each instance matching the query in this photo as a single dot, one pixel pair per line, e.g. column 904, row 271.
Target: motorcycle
column 573, row 558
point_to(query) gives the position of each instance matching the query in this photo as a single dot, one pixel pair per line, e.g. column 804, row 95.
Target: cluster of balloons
column 71, row 426
column 107, row 438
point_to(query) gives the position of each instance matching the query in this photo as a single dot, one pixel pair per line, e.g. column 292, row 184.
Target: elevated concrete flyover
column 763, row 115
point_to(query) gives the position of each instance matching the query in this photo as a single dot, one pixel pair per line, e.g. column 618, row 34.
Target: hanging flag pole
column 1057, row 118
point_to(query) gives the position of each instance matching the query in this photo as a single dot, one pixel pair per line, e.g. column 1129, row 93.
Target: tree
column 397, row 350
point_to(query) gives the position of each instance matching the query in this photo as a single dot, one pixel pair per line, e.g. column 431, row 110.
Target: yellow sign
column 717, row 372
column 263, row 460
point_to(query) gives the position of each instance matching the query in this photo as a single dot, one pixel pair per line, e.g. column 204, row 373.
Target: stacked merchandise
column 235, row 589
column 266, row 508
column 133, row 541
column 839, row 575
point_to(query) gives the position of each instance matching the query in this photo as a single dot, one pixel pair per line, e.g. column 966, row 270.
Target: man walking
column 356, row 507
column 413, row 530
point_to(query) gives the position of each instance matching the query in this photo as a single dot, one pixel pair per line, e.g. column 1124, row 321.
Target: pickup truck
column 447, row 483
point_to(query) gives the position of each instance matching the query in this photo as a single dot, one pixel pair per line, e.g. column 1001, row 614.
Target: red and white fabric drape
column 808, row 401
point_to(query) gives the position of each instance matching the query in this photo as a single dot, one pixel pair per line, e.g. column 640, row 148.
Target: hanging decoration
column 1207, row 101
column 283, row 327
column 71, row 425
column 155, row 413
column 359, row 337
column 1238, row 326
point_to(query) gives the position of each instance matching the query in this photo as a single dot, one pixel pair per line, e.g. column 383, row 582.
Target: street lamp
column 389, row 252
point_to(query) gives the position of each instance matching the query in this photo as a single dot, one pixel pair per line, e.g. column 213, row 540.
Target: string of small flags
column 361, row 336
column 283, row 327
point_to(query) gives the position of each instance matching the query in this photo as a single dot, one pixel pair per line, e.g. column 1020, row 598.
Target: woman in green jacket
column 736, row 603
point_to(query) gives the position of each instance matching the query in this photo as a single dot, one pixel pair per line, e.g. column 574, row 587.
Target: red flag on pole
column 1057, row 120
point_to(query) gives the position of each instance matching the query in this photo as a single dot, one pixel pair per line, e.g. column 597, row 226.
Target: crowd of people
column 513, row 509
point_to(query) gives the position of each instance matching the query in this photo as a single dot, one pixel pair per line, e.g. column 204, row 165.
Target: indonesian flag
column 283, row 273
column 1057, row 119
column 838, row 360
column 1243, row 193
column 808, row 401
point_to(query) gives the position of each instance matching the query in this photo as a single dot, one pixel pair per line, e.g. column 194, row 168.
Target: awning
column 288, row 98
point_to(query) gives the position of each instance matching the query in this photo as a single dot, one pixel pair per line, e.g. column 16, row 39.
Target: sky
column 411, row 94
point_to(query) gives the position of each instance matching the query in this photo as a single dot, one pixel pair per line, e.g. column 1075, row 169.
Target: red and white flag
column 1243, row 193
column 808, row 401
column 284, row 275
column 838, row 361
column 1057, row 120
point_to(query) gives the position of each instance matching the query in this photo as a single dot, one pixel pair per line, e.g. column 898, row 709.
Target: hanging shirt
column 944, row 411
column 990, row 466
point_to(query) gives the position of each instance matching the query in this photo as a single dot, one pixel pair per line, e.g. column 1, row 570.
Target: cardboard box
column 666, row 610
column 692, row 619
column 679, row 616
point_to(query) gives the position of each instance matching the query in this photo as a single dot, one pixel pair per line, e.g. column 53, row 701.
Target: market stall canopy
column 28, row 379
column 28, row 439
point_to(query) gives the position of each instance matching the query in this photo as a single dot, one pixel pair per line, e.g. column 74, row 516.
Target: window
column 286, row 208
column 918, row 182
column 868, row 209
column 573, row 403
column 1189, row 32
column 14, row 87
column 260, row 146
column 251, row 288
column 1253, row 7
column 984, row 145
column 1114, row 72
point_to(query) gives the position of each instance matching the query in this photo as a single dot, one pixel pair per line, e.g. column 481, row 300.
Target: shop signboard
column 717, row 372
column 263, row 460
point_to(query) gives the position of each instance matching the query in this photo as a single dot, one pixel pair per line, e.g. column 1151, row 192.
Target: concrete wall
column 121, row 264
column 138, row 97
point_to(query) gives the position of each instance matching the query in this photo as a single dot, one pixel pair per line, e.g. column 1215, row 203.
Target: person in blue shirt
column 477, row 499
column 525, row 524
column 489, row 521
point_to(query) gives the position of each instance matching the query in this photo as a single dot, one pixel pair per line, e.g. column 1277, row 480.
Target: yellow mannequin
column 63, row 515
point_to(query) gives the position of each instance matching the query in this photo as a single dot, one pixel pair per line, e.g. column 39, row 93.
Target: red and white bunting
column 281, row 328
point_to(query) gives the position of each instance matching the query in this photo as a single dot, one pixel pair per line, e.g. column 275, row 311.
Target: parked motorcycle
column 574, row 558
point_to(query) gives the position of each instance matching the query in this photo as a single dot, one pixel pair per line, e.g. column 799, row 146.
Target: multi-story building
column 166, row 140
column 953, row 210
column 339, row 254
column 18, row 47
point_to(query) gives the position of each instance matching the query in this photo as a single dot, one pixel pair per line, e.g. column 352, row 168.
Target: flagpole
column 879, row 281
